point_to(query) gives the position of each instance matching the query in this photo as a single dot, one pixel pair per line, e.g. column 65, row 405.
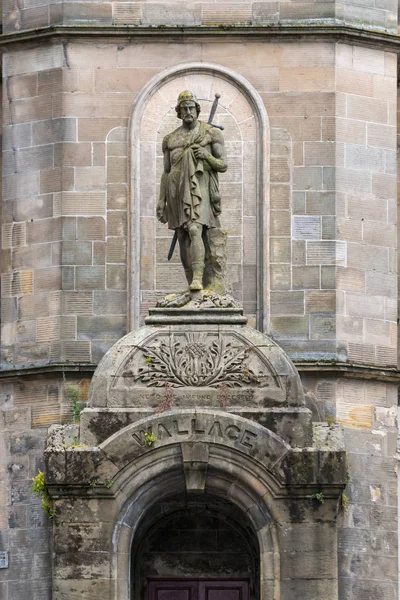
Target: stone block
column 90, row 278
column 91, row 228
column 116, row 277
column 318, row 301
column 352, row 280
column 76, row 253
column 37, row 255
column 101, row 327
column 32, row 60
column 87, row 12
column 73, row 154
column 382, row 136
column 361, row 256
column 306, row 277
column 99, row 253
column 299, row 252
column 175, row 13
column 280, row 277
column 366, row 109
column 367, row 159
column 280, row 196
column 326, row 253
column 116, row 250
column 117, row 170
column 89, row 178
column 264, row 12
column 30, row 159
column 287, row 303
column 300, row 11
column 23, row 86
column 38, row 108
column 381, row 284
column 306, row 79
column 99, row 155
column 116, row 223
column 83, row 203
column 364, row 306
column 280, row 169
column 17, row 136
column 127, row 13
column 307, row 178
column 20, row 185
column 43, row 229
column 280, row 223
column 226, row 13
column 110, row 303
column 380, row 234
column 79, row 303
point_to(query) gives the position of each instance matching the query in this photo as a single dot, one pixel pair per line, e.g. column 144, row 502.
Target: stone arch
column 158, row 474
column 157, row 98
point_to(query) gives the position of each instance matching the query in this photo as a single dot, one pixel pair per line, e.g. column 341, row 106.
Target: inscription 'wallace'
column 215, row 430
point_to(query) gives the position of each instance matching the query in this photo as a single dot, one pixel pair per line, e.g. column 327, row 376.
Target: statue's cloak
column 191, row 189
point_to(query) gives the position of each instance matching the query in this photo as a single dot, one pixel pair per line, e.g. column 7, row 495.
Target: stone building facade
column 308, row 103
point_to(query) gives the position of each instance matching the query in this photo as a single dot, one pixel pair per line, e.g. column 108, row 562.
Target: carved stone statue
column 190, row 200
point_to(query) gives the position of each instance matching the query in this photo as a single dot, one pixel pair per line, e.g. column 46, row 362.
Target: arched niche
column 244, row 187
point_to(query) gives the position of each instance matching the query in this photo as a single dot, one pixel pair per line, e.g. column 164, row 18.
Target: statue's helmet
column 185, row 96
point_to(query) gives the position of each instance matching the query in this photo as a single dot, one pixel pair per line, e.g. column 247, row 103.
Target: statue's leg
column 184, row 250
column 216, row 242
column 196, row 255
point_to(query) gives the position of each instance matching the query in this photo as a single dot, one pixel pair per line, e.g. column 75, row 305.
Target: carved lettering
column 195, row 427
column 163, row 430
column 232, row 432
column 140, row 439
column 169, row 428
column 246, row 438
column 179, row 431
column 215, row 429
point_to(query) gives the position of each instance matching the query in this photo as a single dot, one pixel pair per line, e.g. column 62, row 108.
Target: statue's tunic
column 191, row 189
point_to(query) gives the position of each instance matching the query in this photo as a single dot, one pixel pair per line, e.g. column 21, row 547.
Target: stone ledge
column 206, row 316
column 328, row 31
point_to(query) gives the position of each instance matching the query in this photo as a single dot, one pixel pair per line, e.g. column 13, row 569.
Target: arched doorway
column 196, row 547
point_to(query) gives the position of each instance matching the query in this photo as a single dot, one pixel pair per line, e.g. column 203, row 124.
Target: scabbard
column 173, row 244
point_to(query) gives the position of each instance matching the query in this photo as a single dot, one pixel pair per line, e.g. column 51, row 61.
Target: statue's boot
column 197, row 282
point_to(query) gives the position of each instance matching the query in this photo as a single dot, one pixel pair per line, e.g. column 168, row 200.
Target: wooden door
column 198, row 589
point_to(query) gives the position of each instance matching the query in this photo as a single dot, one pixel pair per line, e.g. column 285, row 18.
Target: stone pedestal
column 198, row 402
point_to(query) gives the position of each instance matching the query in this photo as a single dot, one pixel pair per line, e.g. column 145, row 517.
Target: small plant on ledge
column 150, row 438
column 319, row 497
column 72, row 395
column 40, row 489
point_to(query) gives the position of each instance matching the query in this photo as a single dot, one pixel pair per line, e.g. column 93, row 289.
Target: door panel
column 223, row 590
column 172, row 590
column 198, row 590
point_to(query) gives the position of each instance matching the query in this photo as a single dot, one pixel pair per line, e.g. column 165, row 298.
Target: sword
column 209, row 122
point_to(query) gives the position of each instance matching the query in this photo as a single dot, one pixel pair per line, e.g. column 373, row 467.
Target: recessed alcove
column 200, row 539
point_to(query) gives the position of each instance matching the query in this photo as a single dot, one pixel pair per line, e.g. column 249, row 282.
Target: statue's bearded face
column 188, row 111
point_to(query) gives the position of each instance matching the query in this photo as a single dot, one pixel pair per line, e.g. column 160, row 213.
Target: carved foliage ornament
column 194, row 359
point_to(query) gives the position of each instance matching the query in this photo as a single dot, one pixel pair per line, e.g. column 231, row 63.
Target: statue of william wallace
column 190, row 200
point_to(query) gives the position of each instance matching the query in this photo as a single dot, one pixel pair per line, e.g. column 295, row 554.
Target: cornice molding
column 390, row 375
column 330, row 31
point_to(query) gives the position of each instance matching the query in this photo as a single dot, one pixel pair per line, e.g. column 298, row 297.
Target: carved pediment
column 196, row 359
